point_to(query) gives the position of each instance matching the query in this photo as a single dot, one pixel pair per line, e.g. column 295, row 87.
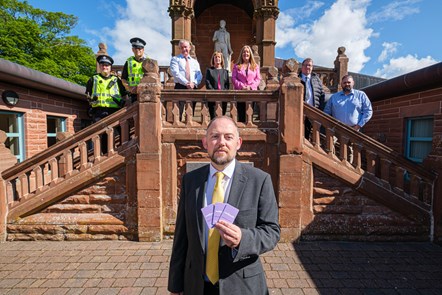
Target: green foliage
column 40, row 40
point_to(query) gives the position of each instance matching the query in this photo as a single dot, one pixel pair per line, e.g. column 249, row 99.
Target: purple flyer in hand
column 208, row 215
column 219, row 208
column 229, row 213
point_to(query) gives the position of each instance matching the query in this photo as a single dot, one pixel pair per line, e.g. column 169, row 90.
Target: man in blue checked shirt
column 351, row 107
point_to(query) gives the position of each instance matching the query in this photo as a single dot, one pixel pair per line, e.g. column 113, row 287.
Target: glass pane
column 55, row 124
column 422, row 128
column 420, row 149
column 8, row 123
column 51, row 125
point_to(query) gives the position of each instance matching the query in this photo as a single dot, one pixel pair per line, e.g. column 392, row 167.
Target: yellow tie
column 213, row 241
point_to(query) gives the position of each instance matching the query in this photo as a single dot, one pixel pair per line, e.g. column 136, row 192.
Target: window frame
column 21, row 156
column 63, row 126
column 409, row 139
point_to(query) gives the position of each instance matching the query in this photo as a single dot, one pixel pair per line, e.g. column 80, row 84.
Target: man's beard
column 347, row 89
column 221, row 160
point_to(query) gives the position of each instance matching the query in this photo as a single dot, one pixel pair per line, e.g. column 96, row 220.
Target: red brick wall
column 389, row 116
column 238, row 24
column 36, row 105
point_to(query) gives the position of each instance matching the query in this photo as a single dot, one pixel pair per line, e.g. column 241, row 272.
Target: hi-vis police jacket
column 106, row 91
column 134, row 71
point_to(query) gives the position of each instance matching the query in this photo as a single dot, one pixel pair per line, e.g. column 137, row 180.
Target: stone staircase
column 76, row 190
column 381, row 194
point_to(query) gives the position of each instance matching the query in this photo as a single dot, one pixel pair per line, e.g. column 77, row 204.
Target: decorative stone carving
column 266, row 12
column 180, row 9
column 290, row 67
column 102, row 49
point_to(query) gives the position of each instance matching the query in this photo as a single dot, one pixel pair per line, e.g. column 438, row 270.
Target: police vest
column 106, row 91
column 134, row 71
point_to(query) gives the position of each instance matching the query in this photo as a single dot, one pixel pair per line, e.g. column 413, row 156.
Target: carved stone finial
column 150, row 66
column 102, row 49
column 290, row 67
column 341, row 50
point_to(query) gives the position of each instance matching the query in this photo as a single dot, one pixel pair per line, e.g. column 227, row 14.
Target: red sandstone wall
column 36, row 106
column 388, row 122
column 341, row 213
column 100, row 211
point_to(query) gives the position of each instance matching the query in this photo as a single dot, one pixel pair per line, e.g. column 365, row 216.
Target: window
column 419, row 138
column 12, row 124
column 54, row 125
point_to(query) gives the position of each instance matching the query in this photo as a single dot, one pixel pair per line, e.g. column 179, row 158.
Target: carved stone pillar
column 8, row 160
column 341, row 67
column 265, row 17
column 148, row 160
column 102, row 50
column 181, row 14
column 295, row 176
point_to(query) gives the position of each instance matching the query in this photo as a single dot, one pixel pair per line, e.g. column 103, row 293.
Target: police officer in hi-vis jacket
column 133, row 68
column 105, row 91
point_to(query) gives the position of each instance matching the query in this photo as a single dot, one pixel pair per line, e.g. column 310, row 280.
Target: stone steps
column 69, row 226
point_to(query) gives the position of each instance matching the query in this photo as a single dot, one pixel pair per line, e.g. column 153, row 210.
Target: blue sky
column 383, row 38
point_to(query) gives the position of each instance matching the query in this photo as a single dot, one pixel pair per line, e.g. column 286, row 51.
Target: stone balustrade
column 75, row 154
column 370, row 158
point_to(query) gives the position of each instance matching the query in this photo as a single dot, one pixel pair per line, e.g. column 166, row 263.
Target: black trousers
column 210, row 289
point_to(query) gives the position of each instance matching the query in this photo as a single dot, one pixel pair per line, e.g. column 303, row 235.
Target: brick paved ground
column 114, row 267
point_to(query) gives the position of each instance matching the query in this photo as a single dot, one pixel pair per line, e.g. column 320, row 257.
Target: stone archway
column 194, row 19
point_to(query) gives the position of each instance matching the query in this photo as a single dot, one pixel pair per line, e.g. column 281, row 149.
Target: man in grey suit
column 254, row 231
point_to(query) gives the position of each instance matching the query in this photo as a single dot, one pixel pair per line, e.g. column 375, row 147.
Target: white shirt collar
column 228, row 171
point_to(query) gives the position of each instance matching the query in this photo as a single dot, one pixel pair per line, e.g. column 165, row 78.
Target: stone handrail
column 370, row 157
column 261, row 107
column 69, row 157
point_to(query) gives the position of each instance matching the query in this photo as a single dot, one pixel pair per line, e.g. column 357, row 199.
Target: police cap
column 137, row 42
column 105, row 59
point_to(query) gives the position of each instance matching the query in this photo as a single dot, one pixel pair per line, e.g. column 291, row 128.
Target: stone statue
column 222, row 43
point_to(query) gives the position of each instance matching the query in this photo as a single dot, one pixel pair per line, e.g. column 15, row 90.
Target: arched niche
column 250, row 22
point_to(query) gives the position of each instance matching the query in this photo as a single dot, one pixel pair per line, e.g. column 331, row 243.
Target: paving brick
column 142, row 268
column 124, row 282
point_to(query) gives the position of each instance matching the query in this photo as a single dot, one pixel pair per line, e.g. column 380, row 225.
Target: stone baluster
column 316, row 136
column 330, row 141
column 371, row 162
column 400, row 174
column 124, row 131
column 53, row 163
column 415, row 182
column 97, row 147
column 357, row 156
column 23, row 192
column 38, row 174
column 343, row 153
column 385, row 169
column 249, row 114
column 111, row 141
column 83, row 156
column 189, row 113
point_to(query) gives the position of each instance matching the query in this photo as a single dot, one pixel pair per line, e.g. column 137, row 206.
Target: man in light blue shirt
column 185, row 70
column 351, row 107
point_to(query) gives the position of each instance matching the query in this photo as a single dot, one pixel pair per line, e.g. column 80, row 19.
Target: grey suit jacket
column 252, row 193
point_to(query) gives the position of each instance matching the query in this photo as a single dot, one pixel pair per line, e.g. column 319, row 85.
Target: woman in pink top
column 245, row 76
